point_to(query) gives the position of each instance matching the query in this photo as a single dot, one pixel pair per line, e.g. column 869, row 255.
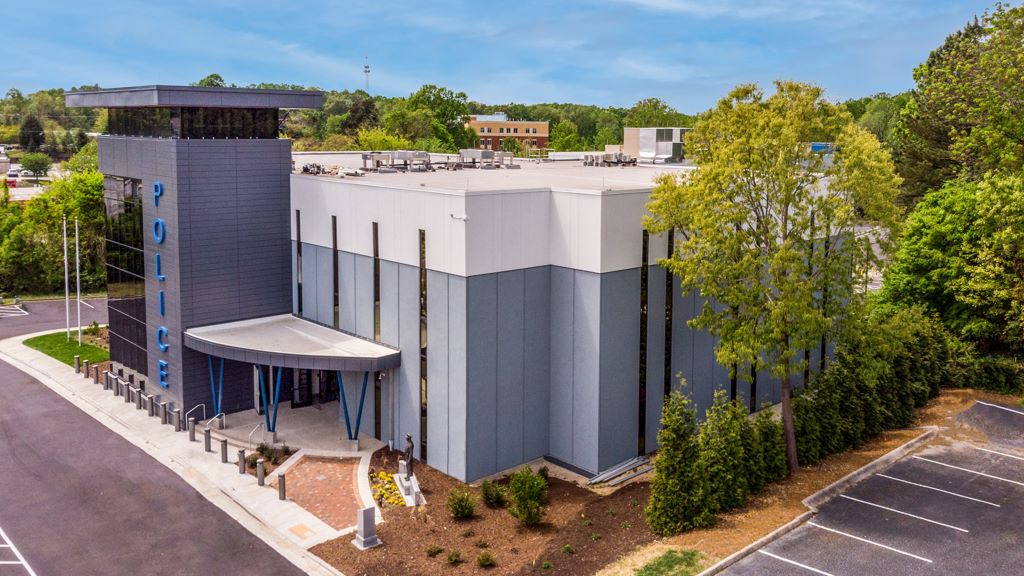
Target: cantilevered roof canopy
column 193, row 97
column 290, row 341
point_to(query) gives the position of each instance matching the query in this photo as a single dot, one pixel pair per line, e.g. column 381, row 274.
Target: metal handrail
column 215, row 416
column 258, row 426
column 203, row 406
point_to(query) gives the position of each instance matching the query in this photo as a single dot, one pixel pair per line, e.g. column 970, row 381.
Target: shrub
column 568, row 549
column 678, row 498
column 595, row 536
column 493, row 493
column 454, row 557
column 461, row 503
column 433, row 551
column 485, row 560
column 545, row 473
column 545, row 565
column 527, row 492
column 681, row 563
column 772, row 445
column 92, row 329
column 721, row 453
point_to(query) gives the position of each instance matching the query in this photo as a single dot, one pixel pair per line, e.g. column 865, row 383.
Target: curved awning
column 292, row 342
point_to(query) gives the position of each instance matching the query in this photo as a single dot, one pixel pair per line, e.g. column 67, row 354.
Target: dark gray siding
column 619, row 391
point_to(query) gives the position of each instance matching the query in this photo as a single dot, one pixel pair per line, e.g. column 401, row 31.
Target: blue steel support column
column 263, row 397
column 216, row 391
column 277, row 397
column 344, row 405
column 359, row 415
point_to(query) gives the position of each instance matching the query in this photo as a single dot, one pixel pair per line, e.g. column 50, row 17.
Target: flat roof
column 292, row 342
column 193, row 97
column 530, row 175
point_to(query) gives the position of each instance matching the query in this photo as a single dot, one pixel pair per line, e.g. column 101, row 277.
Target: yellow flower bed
column 385, row 490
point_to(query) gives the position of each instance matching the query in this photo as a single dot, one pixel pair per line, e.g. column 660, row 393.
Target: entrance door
column 302, row 393
column 328, row 386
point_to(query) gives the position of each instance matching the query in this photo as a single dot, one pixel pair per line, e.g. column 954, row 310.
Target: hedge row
column 711, row 467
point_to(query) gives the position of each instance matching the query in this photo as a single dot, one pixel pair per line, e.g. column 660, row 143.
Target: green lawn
column 57, row 346
column 672, row 563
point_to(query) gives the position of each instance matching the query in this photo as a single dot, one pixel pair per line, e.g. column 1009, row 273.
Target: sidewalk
column 285, row 526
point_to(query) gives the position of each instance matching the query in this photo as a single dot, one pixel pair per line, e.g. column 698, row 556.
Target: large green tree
column 654, row 112
column 766, row 228
column 564, row 137
column 30, row 134
column 962, row 256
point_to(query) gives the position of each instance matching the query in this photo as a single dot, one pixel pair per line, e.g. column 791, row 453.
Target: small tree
column 721, row 454
column 461, row 503
column 678, row 499
column 565, row 137
column 37, row 163
column 527, row 493
column 30, row 134
column 512, row 145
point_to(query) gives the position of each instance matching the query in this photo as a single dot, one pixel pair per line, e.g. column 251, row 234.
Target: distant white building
column 654, row 144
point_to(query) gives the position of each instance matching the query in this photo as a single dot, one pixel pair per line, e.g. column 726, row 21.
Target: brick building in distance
column 491, row 129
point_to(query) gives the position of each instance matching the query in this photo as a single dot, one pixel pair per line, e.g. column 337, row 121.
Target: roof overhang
column 193, row 97
column 292, row 342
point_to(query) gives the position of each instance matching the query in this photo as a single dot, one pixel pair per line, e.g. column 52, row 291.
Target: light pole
column 67, row 294
column 78, row 286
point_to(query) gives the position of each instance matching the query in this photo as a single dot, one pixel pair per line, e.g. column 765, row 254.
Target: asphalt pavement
column 76, row 498
column 947, row 509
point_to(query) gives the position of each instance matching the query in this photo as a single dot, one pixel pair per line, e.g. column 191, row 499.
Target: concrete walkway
column 283, row 525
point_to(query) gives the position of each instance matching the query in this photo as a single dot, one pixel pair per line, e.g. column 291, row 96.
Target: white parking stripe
column 788, row 561
column 969, row 470
column 21, row 559
column 939, row 490
column 1000, row 407
column 995, row 452
column 922, row 518
column 872, row 542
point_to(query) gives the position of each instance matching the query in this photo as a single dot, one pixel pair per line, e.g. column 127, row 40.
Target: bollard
column 206, row 439
column 191, row 429
column 118, row 386
column 177, row 419
column 107, row 381
column 138, row 399
column 151, row 405
column 128, row 394
column 261, row 472
column 85, row 366
column 163, row 413
column 280, row 487
column 78, row 365
column 241, row 461
column 96, row 374
column 104, row 379
column 224, row 450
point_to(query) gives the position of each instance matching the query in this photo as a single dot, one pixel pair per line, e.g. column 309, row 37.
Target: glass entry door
column 302, row 392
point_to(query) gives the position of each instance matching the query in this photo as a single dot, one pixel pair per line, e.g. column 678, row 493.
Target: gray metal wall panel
column 561, row 361
column 347, row 271
column 310, row 288
column 364, row 297
column 586, row 372
column 655, row 353
column 325, row 286
column 294, row 282
column 536, row 359
column 510, row 390
column 620, row 367
column 407, row 398
column 437, row 370
column 457, row 398
column 388, row 302
column 481, row 361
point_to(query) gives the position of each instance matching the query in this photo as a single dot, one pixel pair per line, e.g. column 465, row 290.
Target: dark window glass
column 298, row 258
column 642, row 429
column 669, row 295
column 663, row 135
column 126, row 273
column 376, row 284
column 194, row 122
column 334, row 261
column 423, row 344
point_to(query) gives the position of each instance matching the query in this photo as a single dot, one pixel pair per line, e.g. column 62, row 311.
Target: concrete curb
column 823, row 496
column 819, row 498
column 753, row 546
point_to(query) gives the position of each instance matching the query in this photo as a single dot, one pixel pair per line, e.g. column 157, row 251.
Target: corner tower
column 196, row 185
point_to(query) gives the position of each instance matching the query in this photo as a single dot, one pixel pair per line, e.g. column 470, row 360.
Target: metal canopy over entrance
column 287, row 341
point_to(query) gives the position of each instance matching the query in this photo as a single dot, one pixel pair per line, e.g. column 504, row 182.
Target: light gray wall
column 619, row 391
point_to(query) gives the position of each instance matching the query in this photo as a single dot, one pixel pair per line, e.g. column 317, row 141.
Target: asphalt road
column 75, row 498
column 949, row 509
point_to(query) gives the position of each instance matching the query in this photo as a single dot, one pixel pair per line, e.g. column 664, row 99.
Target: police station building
column 497, row 314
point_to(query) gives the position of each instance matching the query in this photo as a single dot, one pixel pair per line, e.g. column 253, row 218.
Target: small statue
column 408, row 456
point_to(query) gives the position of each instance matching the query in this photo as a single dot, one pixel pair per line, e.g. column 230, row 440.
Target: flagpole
column 67, row 293
column 78, row 285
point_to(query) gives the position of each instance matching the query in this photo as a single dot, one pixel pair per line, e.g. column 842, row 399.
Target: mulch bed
column 598, row 529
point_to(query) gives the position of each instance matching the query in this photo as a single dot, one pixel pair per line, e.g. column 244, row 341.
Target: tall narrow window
column 298, row 257
column 753, row 387
column 376, row 284
column 377, row 397
column 669, row 294
column 641, row 445
column 423, row 345
column 334, row 261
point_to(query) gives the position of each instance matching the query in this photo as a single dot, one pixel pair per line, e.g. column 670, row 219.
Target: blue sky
column 610, row 52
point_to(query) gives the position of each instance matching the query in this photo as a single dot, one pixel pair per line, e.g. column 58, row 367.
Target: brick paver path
column 326, row 487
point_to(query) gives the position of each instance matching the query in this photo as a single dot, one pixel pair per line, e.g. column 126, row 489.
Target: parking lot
column 949, row 508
